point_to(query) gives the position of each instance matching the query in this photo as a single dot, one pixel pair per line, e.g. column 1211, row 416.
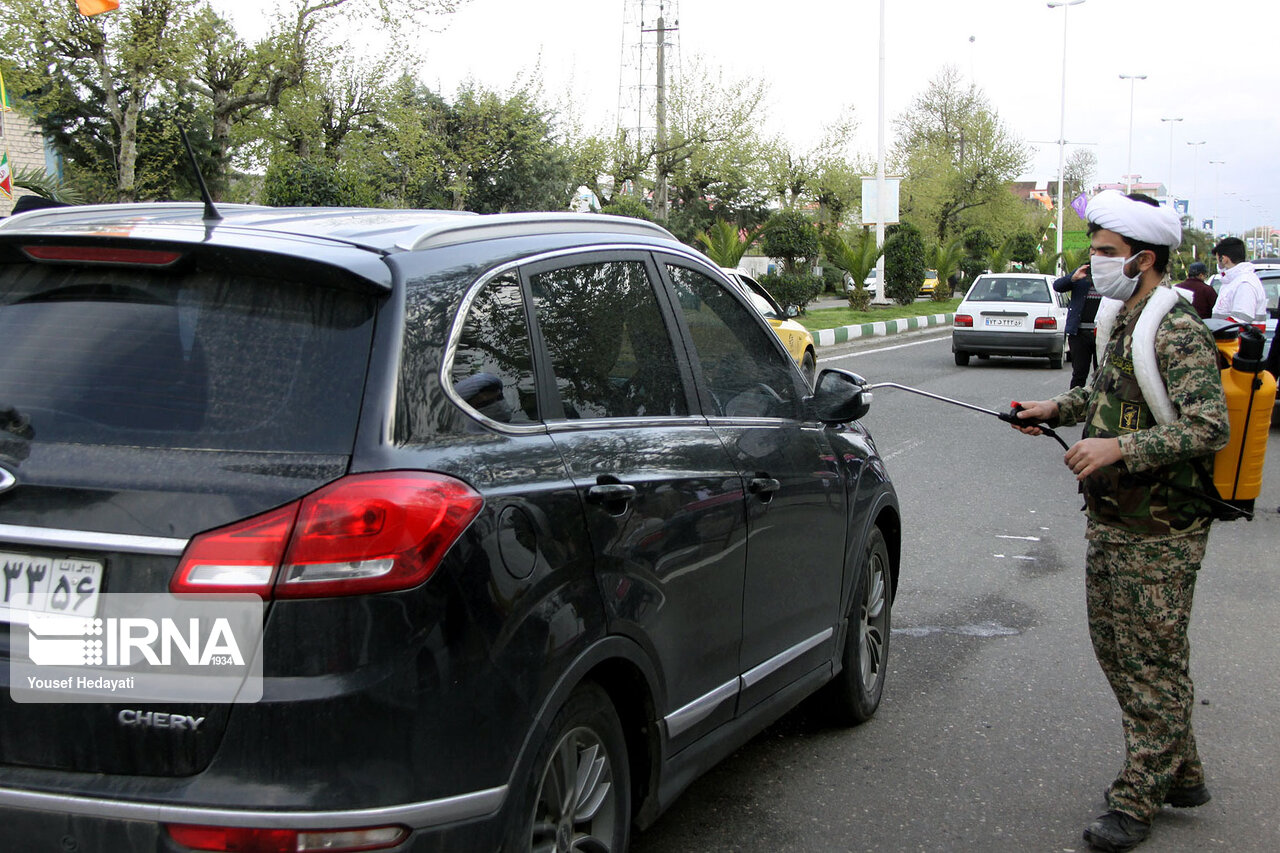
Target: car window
column 492, row 368
column 200, row 359
column 610, row 349
column 745, row 373
column 1010, row 290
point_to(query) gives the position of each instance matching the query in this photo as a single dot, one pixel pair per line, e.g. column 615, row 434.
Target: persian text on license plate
column 62, row 585
column 1003, row 321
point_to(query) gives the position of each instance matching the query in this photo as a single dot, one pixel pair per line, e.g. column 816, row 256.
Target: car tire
column 854, row 694
column 962, row 359
column 809, row 367
column 1055, row 362
column 585, row 752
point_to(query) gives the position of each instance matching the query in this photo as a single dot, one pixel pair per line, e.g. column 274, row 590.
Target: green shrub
column 792, row 290
column 625, row 205
column 903, row 264
column 832, row 280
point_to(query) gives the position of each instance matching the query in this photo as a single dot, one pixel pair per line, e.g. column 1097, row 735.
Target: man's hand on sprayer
column 1086, row 455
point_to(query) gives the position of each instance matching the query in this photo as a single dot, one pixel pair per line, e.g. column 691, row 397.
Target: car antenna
column 210, row 212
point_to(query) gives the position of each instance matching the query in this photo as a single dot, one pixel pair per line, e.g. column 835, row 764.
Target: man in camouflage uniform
column 1146, row 528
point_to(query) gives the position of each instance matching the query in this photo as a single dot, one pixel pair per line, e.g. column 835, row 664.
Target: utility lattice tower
column 650, row 61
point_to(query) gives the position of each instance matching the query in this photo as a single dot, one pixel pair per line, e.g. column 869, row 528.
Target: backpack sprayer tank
column 1251, row 393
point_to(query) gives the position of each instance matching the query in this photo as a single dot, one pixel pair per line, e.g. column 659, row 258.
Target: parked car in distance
column 1013, row 314
column 795, row 337
column 540, row 520
column 869, row 282
column 930, row 282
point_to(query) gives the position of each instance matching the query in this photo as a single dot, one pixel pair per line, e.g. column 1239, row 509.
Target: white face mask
column 1109, row 277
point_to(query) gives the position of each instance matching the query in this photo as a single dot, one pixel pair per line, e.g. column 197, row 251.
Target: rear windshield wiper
column 15, row 422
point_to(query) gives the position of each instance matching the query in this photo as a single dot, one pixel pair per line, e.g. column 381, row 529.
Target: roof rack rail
column 495, row 226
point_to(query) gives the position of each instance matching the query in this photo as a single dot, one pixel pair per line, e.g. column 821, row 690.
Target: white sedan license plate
column 1003, row 321
column 65, row 586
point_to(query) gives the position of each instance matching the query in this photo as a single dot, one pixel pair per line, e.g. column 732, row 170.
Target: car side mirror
column 840, row 396
column 792, row 311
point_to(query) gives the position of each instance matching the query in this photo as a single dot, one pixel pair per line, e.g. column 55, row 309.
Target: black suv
column 543, row 519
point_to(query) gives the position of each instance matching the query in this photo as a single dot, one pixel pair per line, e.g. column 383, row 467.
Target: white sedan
column 1016, row 314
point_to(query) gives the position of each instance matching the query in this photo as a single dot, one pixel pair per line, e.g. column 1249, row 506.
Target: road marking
column 1025, row 538
column 884, row 349
column 910, row 445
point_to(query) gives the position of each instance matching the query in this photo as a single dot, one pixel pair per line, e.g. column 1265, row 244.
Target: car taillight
column 364, row 533
column 963, row 320
column 233, row 839
column 1046, row 322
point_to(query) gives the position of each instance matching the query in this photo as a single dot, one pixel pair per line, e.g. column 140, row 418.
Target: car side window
column 746, row 373
column 492, row 367
column 610, row 349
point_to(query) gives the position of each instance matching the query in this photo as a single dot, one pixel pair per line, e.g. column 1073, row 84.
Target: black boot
column 1115, row 832
column 1188, row 797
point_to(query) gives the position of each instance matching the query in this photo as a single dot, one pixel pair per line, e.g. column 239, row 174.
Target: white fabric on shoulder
column 1145, row 364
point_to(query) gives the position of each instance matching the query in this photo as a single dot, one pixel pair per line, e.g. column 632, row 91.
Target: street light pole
column 1062, row 119
column 1169, row 187
column 880, row 193
column 1217, row 190
column 1133, row 79
column 1195, row 176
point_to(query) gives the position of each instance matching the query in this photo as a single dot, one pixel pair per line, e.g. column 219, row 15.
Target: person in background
column 1080, row 326
column 1154, row 411
column 1241, row 298
column 1202, row 295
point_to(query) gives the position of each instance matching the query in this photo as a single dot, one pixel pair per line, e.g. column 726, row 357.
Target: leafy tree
column 998, row 257
column 791, row 238
column 725, row 243
column 1047, row 263
column 957, row 155
column 104, row 68
column 1078, row 173
column 1023, row 247
column 857, row 259
column 903, row 263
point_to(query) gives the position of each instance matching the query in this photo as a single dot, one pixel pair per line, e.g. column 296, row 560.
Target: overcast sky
column 1202, row 60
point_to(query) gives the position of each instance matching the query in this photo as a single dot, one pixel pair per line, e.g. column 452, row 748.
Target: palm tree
column 726, row 244
column 1047, row 264
column 945, row 259
column 857, row 260
column 42, row 184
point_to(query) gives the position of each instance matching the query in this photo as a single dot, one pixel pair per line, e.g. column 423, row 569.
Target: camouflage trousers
column 1139, row 604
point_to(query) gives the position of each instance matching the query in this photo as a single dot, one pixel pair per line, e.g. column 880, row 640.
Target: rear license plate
column 1003, row 321
column 65, row 586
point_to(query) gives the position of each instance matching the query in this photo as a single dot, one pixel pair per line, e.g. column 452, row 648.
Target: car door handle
column 614, row 497
column 764, row 487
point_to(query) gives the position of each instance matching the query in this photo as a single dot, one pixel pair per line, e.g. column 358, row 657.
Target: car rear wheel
column 809, row 366
column 581, row 792
column 962, row 359
column 854, row 694
column 1055, row 362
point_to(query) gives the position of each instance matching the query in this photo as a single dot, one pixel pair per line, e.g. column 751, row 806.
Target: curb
column 843, row 334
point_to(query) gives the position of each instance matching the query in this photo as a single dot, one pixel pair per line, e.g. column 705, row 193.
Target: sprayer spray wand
column 1010, row 417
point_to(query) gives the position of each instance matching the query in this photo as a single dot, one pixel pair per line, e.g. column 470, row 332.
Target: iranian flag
column 6, row 177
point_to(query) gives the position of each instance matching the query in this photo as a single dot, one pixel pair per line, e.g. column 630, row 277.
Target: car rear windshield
column 202, row 359
column 1009, row 290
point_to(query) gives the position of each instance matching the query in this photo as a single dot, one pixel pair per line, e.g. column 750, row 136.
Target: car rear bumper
column 1007, row 343
column 45, row 821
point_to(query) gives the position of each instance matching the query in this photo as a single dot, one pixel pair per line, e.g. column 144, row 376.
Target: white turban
column 1114, row 211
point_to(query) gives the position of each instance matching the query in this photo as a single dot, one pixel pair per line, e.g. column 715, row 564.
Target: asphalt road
column 997, row 731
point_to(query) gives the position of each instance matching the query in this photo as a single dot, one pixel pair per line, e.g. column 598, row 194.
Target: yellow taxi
column 930, row 282
column 794, row 337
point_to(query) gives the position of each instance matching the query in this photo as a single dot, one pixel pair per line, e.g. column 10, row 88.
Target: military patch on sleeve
column 1130, row 417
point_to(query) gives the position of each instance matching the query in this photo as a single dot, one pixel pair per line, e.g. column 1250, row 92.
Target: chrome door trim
column 758, row 673
column 682, row 719
column 49, row 537
column 414, row 815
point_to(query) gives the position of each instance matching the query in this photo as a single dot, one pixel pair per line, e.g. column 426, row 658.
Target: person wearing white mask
column 1154, row 412
column 1241, row 298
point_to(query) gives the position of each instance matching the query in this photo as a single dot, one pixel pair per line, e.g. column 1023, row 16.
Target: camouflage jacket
column 1134, row 496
